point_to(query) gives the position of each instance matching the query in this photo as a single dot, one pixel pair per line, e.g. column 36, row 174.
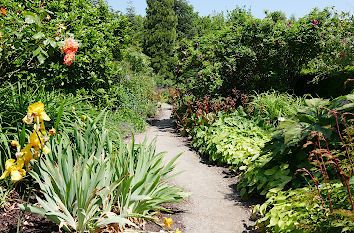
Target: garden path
column 213, row 206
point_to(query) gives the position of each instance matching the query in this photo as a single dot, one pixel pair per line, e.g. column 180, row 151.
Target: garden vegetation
column 271, row 98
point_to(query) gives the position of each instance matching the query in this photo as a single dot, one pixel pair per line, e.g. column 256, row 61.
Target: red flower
column 3, row 11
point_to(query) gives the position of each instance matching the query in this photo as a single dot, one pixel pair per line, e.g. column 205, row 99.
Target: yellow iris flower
column 168, row 222
column 36, row 141
column 36, row 110
column 14, row 168
column 178, row 231
column 27, row 154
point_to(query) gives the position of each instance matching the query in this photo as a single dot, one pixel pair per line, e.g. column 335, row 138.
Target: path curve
column 213, row 206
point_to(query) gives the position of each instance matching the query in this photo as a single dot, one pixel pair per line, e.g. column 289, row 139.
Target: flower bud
column 52, row 131
column 14, row 143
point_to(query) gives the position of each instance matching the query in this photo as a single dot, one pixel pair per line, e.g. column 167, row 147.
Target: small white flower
column 281, row 119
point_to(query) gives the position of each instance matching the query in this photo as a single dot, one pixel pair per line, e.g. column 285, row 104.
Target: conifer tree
column 160, row 34
column 187, row 18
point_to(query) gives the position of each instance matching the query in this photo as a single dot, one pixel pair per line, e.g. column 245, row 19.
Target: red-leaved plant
column 332, row 163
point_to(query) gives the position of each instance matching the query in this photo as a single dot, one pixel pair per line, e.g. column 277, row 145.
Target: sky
column 298, row 8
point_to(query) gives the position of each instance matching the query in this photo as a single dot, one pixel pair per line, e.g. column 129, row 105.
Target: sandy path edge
column 214, row 206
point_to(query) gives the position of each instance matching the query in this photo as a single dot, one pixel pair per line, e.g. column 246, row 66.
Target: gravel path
column 214, row 206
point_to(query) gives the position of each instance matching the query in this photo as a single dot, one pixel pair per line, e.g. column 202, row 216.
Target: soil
column 29, row 223
column 176, row 215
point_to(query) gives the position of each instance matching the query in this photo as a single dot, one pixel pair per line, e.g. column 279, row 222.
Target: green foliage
column 285, row 153
column 262, row 54
column 136, row 25
column 77, row 181
column 272, row 106
column 160, row 34
column 132, row 103
column 231, row 139
column 84, row 179
column 145, row 188
column 32, row 36
column 187, row 19
column 299, row 210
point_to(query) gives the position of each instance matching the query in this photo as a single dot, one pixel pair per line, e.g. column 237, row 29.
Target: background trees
column 160, row 34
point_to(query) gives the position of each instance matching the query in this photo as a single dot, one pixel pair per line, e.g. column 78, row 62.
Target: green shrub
column 285, row 153
column 33, row 34
column 272, row 106
column 231, row 139
column 262, row 54
column 299, row 210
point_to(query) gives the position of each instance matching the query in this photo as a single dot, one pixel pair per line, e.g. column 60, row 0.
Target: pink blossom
column 276, row 52
column 176, row 71
column 199, row 75
column 237, row 55
column 288, row 24
column 344, row 41
column 200, row 55
column 196, row 44
column 230, row 68
column 314, row 22
column 182, row 59
column 278, row 41
column 341, row 54
column 184, row 52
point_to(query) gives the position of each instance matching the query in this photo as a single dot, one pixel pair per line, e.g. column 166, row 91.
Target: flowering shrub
column 255, row 54
column 35, row 34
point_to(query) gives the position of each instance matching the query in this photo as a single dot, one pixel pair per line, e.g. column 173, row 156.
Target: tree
column 186, row 27
column 136, row 24
column 160, row 34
